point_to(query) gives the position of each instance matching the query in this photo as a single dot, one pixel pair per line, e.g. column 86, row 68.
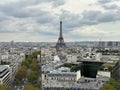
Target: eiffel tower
column 60, row 43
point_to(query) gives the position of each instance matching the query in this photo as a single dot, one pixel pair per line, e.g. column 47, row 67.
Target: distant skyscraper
column 110, row 43
column 60, row 43
column 116, row 43
column 101, row 45
column 12, row 43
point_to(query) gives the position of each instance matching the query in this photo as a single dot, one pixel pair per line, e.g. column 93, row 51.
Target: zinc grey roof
column 2, row 67
column 62, row 74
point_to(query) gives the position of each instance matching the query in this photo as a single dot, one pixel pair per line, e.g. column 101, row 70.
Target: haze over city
column 38, row 20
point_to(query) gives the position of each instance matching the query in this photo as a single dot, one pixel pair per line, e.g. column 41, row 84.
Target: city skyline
column 38, row 20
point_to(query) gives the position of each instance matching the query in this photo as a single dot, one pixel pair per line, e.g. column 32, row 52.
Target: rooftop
column 59, row 73
column 2, row 67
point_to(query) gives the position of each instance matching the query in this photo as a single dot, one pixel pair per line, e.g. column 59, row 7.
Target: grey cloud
column 110, row 7
column 3, row 17
column 3, row 30
column 72, row 21
column 96, row 17
column 104, row 1
column 45, row 19
column 90, row 17
column 108, row 4
column 108, row 17
column 19, row 10
column 58, row 3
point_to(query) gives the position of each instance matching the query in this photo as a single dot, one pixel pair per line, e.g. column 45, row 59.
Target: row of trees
column 69, row 65
column 109, row 66
column 31, row 87
column 20, row 75
column 3, row 87
column 107, row 52
column 4, row 63
column 111, row 85
column 29, row 70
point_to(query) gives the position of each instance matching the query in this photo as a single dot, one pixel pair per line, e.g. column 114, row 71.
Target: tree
column 111, row 85
column 67, row 65
column 31, row 87
column 17, row 81
column 114, row 83
column 33, row 76
column 4, row 63
column 34, row 65
column 34, row 54
column 3, row 87
column 29, row 58
column 107, row 87
column 21, row 73
column 25, row 63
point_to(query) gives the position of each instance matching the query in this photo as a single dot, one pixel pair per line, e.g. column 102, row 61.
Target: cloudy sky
column 38, row 20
